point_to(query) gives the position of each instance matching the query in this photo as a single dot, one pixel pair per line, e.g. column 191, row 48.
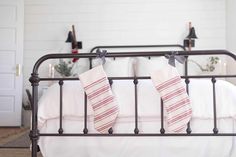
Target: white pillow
column 80, row 67
column 144, row 66
column 120, row 67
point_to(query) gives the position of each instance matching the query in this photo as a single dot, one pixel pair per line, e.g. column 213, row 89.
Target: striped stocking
column 97, row 88
column 175, row 98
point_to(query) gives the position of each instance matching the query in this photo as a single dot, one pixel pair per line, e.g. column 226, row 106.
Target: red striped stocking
column 97, row 88
column 175, row 98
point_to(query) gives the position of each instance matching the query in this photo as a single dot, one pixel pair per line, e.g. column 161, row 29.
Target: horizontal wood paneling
column 109, row 22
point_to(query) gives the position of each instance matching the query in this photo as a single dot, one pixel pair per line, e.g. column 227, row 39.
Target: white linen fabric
column 144, row 66
column 200, row 92
column 80, row 66
column 120, row 67
column 149, row 122
column 137, row 146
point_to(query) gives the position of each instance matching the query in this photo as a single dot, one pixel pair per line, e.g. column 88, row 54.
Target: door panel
column 7, row 103
column 7, row 58
column 8, row 13
column 7, row 37
column 9, row 81
column 11, row 55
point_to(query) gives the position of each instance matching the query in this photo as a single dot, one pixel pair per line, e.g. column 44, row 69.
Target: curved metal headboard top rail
column 137, row 46
column 130, row 54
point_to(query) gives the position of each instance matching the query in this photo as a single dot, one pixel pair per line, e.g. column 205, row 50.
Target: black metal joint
column 189, row 130
column 162, row 130
column 213, row 80
column 110, row 131
column 187, row 81
column 61, row 82
column 85, row 131
column 135, row 81
column 60, row 131
column 136, row 130
column 110, row 82
column 34, row 79
column 215, row 130
column 34, row 134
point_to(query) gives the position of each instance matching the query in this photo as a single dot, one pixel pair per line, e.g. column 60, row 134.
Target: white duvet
column 149, row 122
column 200, row 92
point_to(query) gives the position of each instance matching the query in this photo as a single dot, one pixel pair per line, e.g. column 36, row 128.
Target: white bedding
column 138, row 146
column 148, row 99
column 149, row 121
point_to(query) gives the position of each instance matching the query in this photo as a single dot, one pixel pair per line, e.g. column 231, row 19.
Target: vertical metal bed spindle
column 60, row 130
column 187, row 81
column 136, row 130
column 85, row 130
column 215, row 129
column 162, row 130
column 110, row 131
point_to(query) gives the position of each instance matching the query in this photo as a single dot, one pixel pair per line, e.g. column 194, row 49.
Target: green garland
column 64, row 68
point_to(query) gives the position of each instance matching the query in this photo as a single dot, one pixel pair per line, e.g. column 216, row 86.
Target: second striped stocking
column 175, row 98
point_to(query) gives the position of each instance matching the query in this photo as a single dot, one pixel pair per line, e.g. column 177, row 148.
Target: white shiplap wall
column 231, row 34
column 113, row 22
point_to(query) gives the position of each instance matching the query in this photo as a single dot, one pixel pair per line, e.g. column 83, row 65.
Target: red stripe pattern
column 176, row 102
column 103, row 102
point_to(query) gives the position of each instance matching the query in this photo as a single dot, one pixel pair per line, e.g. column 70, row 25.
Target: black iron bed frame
column 35, row 79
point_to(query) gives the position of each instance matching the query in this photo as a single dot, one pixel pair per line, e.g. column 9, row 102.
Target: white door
column 11, row 58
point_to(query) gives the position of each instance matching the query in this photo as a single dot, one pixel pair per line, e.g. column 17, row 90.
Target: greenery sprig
column 64, row 68
column 210, row 66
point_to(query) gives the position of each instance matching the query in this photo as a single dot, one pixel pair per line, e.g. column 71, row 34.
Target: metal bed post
column 34, row 133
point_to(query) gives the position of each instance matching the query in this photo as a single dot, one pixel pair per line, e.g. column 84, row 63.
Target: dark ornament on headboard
column 75, row 45
column 192, row 34
column 70, row 39
column 189, row 41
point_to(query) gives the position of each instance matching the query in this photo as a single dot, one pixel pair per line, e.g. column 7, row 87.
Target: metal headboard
column 35, row 79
